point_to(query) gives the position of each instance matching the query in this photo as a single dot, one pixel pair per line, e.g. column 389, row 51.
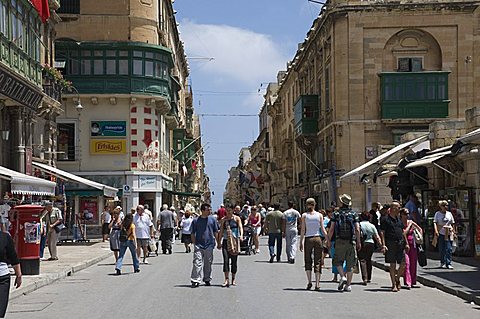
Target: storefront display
column 461, row 205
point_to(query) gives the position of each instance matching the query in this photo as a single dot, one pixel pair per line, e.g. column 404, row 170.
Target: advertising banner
column 108, row 147
column 108, row 128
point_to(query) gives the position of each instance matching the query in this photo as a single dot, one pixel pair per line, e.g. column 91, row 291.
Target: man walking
column 204, row 239
column 143, row 231
column 290, row 231
column 346, row 225
column 393, row 244
column 274, row 225
column 166, row 224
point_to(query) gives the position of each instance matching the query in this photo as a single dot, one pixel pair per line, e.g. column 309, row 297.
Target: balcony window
column 414, row 94
column 410, row 64
column 69, row 7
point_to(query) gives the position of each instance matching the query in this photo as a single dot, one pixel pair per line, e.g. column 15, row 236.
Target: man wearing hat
column 346, row 225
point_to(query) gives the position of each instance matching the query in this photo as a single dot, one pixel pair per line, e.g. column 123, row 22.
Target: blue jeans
column 445, row 249
column 43, row 243
column 271, row 244
column 130, row 244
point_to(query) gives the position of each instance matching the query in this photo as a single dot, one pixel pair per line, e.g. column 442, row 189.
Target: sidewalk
column 73, row 257
column 463, row 281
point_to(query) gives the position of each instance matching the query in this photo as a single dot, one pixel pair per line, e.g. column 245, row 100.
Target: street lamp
column 78, row 106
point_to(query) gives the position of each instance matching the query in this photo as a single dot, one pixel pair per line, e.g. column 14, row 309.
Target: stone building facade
column 136, row 129
column 367, row 73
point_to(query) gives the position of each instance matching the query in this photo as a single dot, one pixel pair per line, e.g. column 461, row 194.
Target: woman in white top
column 444, row 227
column 312, row 224
column 186, row 225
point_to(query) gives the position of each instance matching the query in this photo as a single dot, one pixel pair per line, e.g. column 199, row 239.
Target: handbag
column 422, row 257
column 232, row 242
column 418, row 237
column 59, row 227
column 435, row 241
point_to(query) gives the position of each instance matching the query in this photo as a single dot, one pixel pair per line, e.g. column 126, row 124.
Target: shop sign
column 108, row 128
column 19, row 91
column 145, row 182
column 127, row 190
column 108, row 147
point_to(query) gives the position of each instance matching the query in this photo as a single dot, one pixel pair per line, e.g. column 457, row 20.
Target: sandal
column 309, row 286
column 226, row 284
column 317, row 288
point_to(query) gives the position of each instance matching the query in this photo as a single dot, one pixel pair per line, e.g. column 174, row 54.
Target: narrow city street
column 162, row 290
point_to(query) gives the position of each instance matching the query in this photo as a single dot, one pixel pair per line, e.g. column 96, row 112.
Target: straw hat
column 345, row 199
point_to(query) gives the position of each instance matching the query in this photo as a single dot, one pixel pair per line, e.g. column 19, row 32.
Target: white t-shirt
column 312, row 223
column 186, row 225
column 443, row 220
column 107, row 218
column 4, row 269
column 142, row 226
column 291, row 216
column 4, row 209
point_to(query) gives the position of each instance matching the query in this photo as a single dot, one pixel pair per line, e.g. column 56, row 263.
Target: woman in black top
column 8, row 255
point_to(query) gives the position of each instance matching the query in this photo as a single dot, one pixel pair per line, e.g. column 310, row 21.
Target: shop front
column 146, row 188
column 83, row 201
column 461, row 204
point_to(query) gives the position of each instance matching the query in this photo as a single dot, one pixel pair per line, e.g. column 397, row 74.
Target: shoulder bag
column 59, row 227
column 232, row 241
column 422, row 257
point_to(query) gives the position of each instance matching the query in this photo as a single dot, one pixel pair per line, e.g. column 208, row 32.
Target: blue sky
column 249, row 41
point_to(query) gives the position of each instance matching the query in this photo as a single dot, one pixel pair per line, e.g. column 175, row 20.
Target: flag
column 194, row 165
column 42, row 8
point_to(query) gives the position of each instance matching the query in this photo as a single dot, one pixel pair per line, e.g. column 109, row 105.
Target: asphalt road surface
column 162, row 290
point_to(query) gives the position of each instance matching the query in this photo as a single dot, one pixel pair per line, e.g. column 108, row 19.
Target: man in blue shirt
column 204, row 239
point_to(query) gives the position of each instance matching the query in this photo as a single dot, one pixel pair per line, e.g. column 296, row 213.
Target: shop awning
column 428, row 160
column 470, row 138
column 185, row 194
column 392, row 155
column 27, row 185
column 108, row 191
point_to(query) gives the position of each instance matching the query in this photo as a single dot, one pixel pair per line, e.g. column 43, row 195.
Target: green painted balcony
column 414, row 95
column 306, row 111
column 19, row 62
column 117, row 67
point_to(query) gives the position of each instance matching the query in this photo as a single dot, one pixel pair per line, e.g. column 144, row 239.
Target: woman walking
column 127, row 240
column 115, row 226
column 312, row 224
column 443, row 224
column 370, row 235
column 411, row 254
column 8, row 255
column 255, row 220
column 186, row 225
column 230, row 230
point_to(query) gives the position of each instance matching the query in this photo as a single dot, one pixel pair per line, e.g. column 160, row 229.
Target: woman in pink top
column 411, row 255
column 255, row 220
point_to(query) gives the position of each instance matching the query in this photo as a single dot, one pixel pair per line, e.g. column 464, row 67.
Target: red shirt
column 221, row 213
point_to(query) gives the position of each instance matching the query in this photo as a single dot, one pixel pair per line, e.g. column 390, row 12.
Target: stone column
column 17, row 134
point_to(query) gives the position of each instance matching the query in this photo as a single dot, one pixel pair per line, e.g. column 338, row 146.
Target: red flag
column 194, row 165
column 42, row 8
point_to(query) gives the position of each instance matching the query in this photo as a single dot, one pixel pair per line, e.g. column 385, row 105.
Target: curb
column 424, row 280
column 52, row 277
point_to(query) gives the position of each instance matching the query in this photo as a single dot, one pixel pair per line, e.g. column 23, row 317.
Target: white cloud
column 239, row 54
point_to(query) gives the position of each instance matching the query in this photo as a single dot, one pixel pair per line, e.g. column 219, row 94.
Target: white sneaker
column 449, row 267
column 342, row 283
column 442, row 265
column 145, row 261
column 347, row 288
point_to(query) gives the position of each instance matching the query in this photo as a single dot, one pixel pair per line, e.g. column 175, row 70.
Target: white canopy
column 27, row 185
column 107, row 190
column 395, row 153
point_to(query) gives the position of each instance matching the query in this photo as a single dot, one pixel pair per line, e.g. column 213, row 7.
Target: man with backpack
column 346, row 225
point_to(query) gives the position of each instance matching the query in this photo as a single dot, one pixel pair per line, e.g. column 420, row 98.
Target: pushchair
column 246, row 245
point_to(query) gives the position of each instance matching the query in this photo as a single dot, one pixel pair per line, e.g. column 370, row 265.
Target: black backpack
column 344, row 226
